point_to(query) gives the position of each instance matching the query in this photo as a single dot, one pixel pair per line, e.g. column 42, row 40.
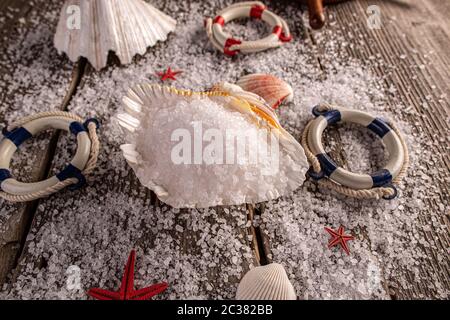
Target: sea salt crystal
column 155, row 145
column 117, row 220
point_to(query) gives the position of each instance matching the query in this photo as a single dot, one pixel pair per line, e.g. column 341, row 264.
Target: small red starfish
column 168, row 74
column 126, row 291
column 339, row 238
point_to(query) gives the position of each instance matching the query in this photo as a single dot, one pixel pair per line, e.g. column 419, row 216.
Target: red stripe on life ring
column 278, row 31
column 220, row 20
column 285, row 38
column 256, row 11
column 228, row 44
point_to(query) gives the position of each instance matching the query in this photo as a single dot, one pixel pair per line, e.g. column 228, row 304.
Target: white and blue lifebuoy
column 11, row 141
column 341, row 176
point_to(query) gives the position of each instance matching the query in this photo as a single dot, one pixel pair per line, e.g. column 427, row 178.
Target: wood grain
column 424, row 30
column 415, row 31
column 14, row 229
column 130, row 186
column 422, row 27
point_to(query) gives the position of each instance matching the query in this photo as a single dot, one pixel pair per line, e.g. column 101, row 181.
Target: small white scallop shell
column 272, row 89
column 268, row 282
column 92, row 28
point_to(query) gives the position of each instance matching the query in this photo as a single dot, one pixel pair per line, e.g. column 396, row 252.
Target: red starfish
column 168, row 74
column 339, row 238
column 126, row 291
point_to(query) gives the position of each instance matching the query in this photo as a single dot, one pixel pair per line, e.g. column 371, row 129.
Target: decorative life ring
column 253, row 9
column 83, row 162
column 374, row 185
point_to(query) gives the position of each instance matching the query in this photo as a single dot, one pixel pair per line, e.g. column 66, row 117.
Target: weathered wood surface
column 187, row 241
column 409, row 26
column 42, row 212
column 418, row 30
column 424, row 28
column 38, row 155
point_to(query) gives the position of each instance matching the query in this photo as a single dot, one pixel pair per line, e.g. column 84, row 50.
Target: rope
column 374, row 193
column 90, row 164
column 46, row 114
column 255, row 46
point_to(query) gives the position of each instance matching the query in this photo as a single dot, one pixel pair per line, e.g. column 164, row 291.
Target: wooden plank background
column 14, row 230
column 407, row 25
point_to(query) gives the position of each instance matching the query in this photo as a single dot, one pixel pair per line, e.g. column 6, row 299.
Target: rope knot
column 389, row 192
column 92, row 120
column 315, row 175
column 321, row 108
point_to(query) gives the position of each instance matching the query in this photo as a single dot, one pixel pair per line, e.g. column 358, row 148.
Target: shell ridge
column 127, row 27
column 149, row 98
column 272, row 89
column 268, row 282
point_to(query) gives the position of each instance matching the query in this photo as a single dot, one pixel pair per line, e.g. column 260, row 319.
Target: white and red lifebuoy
column 256, row 10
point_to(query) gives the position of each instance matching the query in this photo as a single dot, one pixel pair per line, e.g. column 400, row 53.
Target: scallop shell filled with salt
column 201, row 149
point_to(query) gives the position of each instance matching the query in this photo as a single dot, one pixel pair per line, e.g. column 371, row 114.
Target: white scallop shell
column 272, row 89
column 142, row 105
column 268, row 282
column 92, row 28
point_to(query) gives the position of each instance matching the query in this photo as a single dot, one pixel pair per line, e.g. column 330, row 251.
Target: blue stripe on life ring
column 326, row 163
column 332, row 116
column 379, row 127
column 76, row 127
column 72, row 172
column 18, row 135
column 380, row 178
column 4, row 174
